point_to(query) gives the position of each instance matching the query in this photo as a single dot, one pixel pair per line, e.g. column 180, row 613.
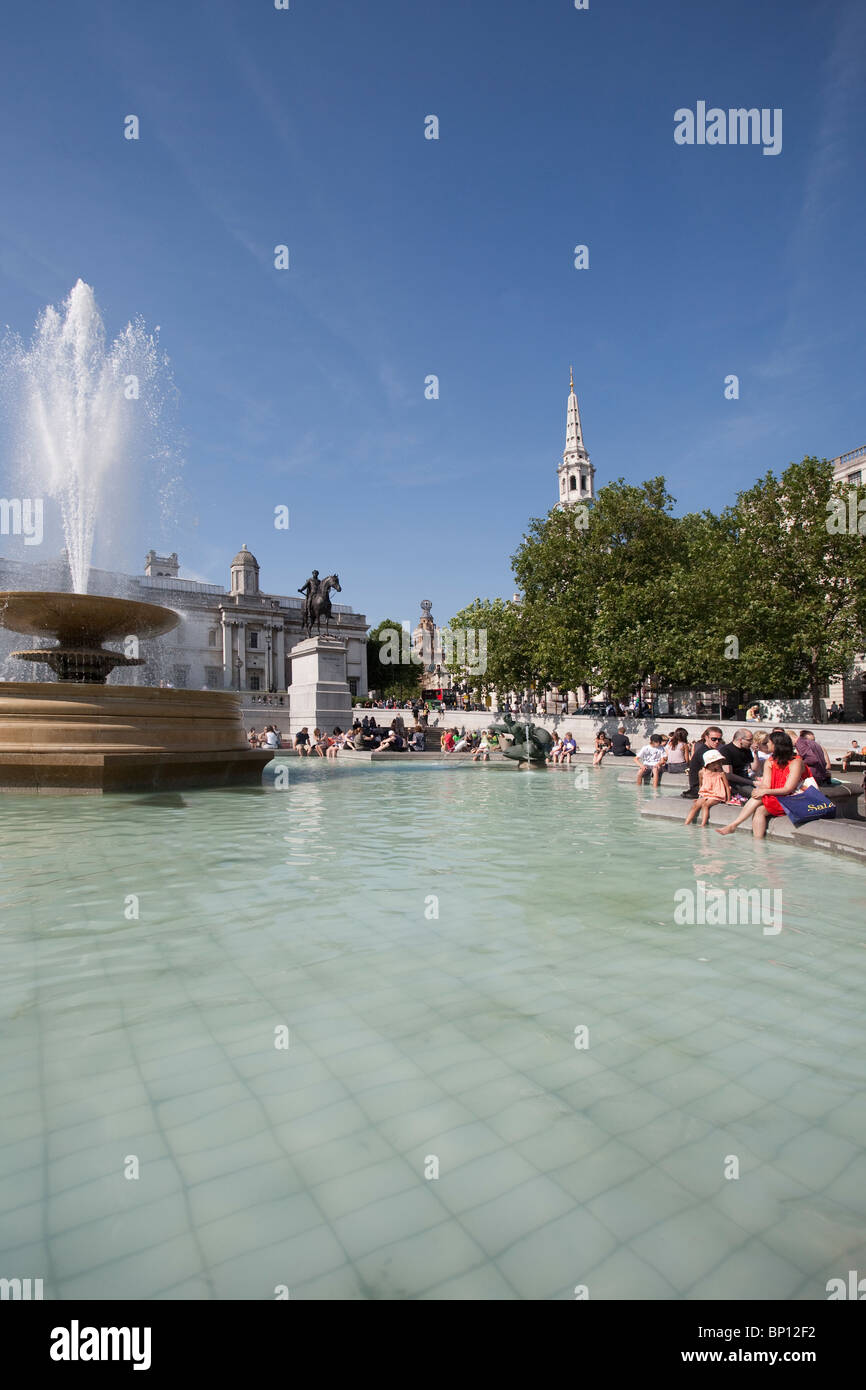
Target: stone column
column 228, row 666
column 362, row 683
column 241, row 630
column 280, row 657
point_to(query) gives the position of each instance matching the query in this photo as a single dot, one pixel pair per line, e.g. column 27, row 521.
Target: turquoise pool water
column 155, row 1142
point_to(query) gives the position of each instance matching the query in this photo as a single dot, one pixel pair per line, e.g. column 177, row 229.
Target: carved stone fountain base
column 67, row 737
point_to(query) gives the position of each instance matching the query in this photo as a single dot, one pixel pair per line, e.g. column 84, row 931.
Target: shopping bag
column 807, row 804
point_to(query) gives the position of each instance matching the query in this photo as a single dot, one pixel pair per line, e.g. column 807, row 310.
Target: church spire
column 573, row 433
column 576, row 473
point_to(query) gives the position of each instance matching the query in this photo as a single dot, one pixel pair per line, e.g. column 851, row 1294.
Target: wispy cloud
column 825, row 186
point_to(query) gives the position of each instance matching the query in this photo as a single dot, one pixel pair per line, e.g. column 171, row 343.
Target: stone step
column 844, row 837
column 848, row 797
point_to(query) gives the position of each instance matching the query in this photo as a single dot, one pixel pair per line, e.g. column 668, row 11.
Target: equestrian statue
column 317, row 602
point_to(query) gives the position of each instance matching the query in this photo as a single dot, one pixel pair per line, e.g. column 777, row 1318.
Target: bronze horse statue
column 318, row 606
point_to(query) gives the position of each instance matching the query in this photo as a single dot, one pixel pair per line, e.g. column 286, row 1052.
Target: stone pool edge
column 846, row 838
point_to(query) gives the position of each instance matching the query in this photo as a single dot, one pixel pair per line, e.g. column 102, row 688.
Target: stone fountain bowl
column 83, row 619
column 78, row 734
column 81, row 623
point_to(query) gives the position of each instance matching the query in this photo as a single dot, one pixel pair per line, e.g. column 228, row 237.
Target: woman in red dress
column 784, row 770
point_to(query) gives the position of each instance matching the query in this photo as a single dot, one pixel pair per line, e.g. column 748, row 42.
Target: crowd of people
column 563, row 748
column 365, row 735
column 752, row 770
column 420, row 708
column 480, row 744
column 446, row 699
column 270, row 737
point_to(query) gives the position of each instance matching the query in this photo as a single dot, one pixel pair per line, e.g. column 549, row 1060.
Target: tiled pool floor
column 431, row 941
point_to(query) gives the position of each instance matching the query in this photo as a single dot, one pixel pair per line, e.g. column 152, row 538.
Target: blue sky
column 408, row 257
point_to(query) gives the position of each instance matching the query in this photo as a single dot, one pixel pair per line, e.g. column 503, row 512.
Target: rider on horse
column 317, row 602
column 309, row 590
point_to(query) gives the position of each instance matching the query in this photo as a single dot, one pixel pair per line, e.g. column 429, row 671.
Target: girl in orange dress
column 713, row 787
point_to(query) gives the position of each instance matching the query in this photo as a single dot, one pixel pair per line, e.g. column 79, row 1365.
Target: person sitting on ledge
column 464, row 743
column 302, row 742
column 710, row 738
column 651, row 758
column 393, row 743
column 336, row 743
column 567, row 747
column 417, row 741
column 448, row 741
column 620, row 744
column 814, row 756
column 855, row 754
column 678, row 752
column 602, row 746
column 783, row 773
column 482, row 752
column 253, row 739
column 713, row 788
column 762, row 748
column 554, row 750
column 739, row 760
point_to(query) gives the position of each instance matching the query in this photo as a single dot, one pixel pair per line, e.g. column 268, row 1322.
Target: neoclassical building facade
column 236, row 638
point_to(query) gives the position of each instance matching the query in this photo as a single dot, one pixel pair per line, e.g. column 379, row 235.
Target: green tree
column 387, row 672
column 768, row 597
column 798, row 578
column 596, row 583
column 499, row 628
column 557, row 608
column 700, row 607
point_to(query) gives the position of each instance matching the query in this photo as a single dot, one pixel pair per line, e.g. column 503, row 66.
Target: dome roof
column 245, row 557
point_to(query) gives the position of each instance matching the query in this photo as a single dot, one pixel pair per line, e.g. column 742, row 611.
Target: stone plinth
column 65, row 737
column 319, row 694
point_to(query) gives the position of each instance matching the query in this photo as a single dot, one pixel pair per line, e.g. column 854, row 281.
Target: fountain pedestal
column 319, row 695
column 65, row 737
column 81, row 735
